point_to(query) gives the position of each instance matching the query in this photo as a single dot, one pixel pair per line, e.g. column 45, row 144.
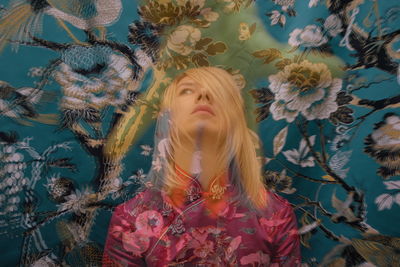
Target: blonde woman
column 205, row 203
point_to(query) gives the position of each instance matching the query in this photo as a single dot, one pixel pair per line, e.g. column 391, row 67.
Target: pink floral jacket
column 149, row 230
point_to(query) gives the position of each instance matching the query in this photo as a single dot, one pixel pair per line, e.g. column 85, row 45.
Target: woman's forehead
column 186, row 80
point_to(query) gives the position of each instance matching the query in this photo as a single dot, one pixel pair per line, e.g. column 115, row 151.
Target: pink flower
column 183, row 241
column 135, row 242
column 149, row 223
column 200, row 234
column 253, row 258
column 203, row 248
column 116, row 230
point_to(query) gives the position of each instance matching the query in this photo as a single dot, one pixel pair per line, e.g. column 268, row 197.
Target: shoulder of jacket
column 141, row 199
column 277, row 203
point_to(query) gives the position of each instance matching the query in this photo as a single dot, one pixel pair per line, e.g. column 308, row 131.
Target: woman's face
column 195, row 108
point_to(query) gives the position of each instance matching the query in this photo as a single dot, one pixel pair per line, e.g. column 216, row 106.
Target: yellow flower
column 244, row 31
column 239, row 79
column 193, row 3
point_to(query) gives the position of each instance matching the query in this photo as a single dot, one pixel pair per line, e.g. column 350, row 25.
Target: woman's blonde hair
column 238, row 148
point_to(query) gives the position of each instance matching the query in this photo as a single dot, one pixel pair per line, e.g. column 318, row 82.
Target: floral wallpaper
column 80, row 84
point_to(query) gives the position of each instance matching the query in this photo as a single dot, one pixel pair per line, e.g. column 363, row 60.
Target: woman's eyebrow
column 186, row 84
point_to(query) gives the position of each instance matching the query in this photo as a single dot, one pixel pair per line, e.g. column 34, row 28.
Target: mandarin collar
column 217, row 189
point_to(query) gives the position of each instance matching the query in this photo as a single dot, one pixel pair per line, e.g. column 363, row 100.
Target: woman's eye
column 186, row 91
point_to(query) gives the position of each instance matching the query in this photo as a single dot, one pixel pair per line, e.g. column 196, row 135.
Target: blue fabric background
column 59, row 178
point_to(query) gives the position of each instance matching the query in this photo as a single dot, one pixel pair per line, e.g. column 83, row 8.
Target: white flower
column 77, row 201
column 384, row 201
column 313, row 3
column 156, row 164
column 310, row 36
column 36, row 71
column 333, row 25
column 143, row 59
column 146, row 150
column 183, row 39
column 115, row 185
column 99, row 89
column 209, row 15
column 305, row 88
column 138, row 176
column 277, row 17
column 299, row 157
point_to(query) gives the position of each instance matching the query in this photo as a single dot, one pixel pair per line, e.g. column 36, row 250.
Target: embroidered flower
column 183, row 39
column 306, row 88
column 93, row 77
column 310, row 36
column 149, row 223
column 147, row 36
column 146, row 150
column 193, row 193
column 135, row 242
column 301, row 156
column 333, row 25
column 77, row 201
column 313, row 3
column 277, row 17
column 202, row 249
column 209, row 15
column 255, row 258
column 240, row 81
column 177, row 227
column 271, row 225
column 244, row 31
column 383, row 144
column 166, row 209
column 157, row 164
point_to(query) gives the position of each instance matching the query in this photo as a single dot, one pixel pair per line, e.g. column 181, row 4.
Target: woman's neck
column 186, row 159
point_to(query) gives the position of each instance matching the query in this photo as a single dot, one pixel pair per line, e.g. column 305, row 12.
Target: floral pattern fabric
column 80, row 83
column 150, row 230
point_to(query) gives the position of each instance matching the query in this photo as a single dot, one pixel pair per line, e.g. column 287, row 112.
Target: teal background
column 376, row 244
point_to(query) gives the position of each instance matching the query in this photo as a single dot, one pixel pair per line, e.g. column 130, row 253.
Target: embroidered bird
column 23, row 18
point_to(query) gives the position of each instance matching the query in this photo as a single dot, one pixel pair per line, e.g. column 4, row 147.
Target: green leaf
column 216, row 48
column 268, row 55
column 200, row 60
column 202, row 43
column 280, row 140
column 253, row 28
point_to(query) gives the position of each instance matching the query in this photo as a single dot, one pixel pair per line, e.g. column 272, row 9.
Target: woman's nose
column 204, row 95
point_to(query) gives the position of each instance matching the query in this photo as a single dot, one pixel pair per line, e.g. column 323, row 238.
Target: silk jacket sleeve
column 124, row 246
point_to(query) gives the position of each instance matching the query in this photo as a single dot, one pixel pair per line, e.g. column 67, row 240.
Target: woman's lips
column 203, row 108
